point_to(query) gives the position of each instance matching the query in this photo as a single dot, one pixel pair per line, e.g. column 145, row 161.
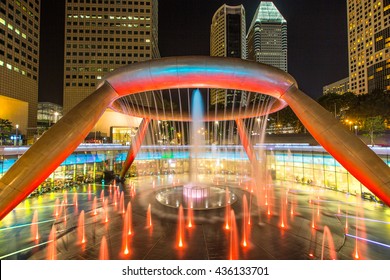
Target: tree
column 374, row 127
column 286, row 117
column 5, row 129
column 338, row 104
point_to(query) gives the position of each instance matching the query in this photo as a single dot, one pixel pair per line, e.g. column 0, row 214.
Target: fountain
column 56, row 208
column 328, row 236
column 122, row 209
column 34, row 226
column 125, row 233
column 129, row 218
column 196, row 194
column 103, row 252
column 233, row 238
column 190, row 217
column 180, row 228
column 199, row 184
column 149, row 223
column 52, row 245
column 245, row 222
column 81, row 228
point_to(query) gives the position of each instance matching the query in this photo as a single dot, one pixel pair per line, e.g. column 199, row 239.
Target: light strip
column 369, row 240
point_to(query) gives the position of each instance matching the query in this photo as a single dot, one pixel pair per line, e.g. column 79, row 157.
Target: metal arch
column 200, row 72
column 189, row 72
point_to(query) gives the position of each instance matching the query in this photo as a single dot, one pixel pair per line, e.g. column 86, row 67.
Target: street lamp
column 16, row 142
column 356, row 127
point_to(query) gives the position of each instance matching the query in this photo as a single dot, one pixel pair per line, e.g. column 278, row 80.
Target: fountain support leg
column 135, row 147
column 52, row 148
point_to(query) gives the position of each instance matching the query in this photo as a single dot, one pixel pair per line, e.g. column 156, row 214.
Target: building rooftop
column 268, row 13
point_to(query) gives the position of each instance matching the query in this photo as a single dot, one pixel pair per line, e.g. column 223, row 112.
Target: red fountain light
column 313, row 223
column 249, row 209
column 89, row 192
column 103, row 252
column 190, row 217
column 34, row 226
column 125, row 234
column 56, row 208
column 180, row 228
column 81, row 228
column 149, row 217
column 227, row 211
column 51, row 253
column 283, row 218
column 102, row 195
column 115, row 201
column 122, row 209
column 245, row 219
column 328, row 236
column 75, row 203
column 233, row 250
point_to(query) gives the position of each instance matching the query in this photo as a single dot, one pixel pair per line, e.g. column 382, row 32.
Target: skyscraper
column 267, row 36
column 227, row 39
column 102, row 35
column 19, row 52
column 369, row 45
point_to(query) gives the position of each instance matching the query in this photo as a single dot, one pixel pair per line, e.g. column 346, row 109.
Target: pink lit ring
column 207, row 72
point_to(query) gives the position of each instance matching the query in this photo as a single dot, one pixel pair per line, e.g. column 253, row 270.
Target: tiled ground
column 207, row 239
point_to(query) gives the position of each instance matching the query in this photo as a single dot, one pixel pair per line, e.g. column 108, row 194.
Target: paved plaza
column 294, row 222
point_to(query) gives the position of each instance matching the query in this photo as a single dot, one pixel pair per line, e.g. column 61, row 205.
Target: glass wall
column 299, row 164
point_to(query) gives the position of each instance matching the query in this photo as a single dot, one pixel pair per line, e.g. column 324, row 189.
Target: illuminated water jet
column 52, row 245
column 233, row 238
column 81, row 228
column 180, row 228
column 103, row 251
column 34, row 226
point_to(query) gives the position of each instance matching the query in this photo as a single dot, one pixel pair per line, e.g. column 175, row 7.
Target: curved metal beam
column 188, row 72
column 52, row 148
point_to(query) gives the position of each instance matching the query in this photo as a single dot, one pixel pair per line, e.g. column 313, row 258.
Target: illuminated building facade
column 267, row 36
column 48, row 114
column 102, row 35
column 19, row 52
column 369, row 45
column 227, row 39
column 339, row 87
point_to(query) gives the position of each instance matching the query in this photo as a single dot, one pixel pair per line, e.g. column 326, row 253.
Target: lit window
column 2, row 21
column 1, row 63
column 9, row 66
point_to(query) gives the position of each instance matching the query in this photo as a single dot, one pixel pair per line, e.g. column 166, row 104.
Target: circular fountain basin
column 196, row 196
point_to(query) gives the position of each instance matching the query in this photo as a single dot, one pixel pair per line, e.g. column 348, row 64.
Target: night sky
column 317, row 38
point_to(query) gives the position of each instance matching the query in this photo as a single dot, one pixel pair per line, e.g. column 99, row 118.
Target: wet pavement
column 288, row 221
